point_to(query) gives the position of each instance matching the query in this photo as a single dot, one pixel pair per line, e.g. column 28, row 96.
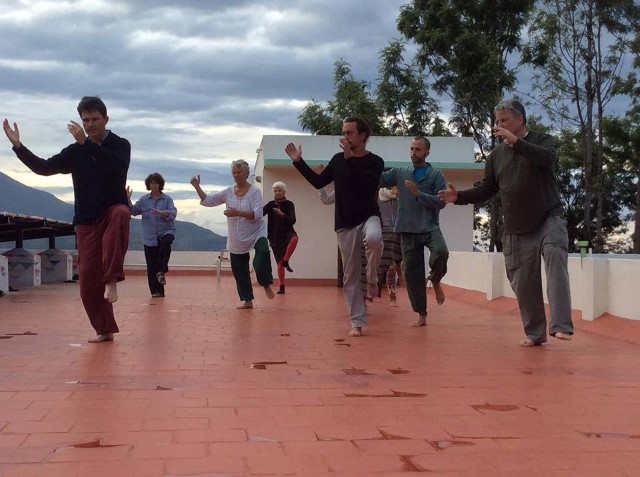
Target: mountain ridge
column 19, row 198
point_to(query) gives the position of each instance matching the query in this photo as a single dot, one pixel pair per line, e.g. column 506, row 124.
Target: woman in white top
column 245, row 231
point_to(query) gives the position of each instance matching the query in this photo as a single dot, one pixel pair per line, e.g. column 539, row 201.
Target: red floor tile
column 192, row 386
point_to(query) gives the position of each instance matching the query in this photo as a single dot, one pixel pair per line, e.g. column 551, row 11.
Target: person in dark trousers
column 355, row 173
column 418, row 224
column 98, row 162
column 158, row 230
column 521, row 170
column 281, row 214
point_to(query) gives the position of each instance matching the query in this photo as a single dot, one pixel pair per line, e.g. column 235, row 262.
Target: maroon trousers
column 101, row 251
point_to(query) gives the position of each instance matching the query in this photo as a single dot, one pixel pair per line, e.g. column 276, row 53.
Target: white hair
column 280, row 185
column 242, row 165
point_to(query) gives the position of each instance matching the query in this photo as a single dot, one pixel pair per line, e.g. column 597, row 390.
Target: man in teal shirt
column 418, row 225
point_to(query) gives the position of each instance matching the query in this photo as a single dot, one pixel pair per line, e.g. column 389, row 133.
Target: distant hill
column 21, row 199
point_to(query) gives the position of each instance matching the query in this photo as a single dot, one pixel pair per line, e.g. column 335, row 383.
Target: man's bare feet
column 422, row 321
column 245, row 305
column 562, row 336
column 269, row 292
column 527, row 343
column 111, row 292
column 439, row 292
column 355, row 331
column 101, row 338
column 372, row 291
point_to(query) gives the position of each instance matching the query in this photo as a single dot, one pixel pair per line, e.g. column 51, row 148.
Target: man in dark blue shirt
column 98, row 162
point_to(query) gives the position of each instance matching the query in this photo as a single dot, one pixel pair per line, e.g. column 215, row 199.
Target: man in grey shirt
column 419, row 226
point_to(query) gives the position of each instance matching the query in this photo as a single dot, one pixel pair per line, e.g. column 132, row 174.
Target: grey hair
column 242, row 165
column 514, row 107
column 281, row 185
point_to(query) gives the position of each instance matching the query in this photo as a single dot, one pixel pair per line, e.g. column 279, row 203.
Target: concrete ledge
column 4, row 274
column 600, row 284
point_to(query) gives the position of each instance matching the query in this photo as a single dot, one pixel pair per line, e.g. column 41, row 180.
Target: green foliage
column 577, row 49
column 351, row 98
column 401, row 104
column 464, row 47
column 403, row 95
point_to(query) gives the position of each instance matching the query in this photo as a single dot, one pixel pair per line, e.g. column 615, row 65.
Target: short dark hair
column 154, row 177
column 427, row 143
column 513, row 106
column 92, row 103
column 361, row 125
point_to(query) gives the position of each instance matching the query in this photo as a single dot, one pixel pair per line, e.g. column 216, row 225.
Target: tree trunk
column 588, row 147
column 495, row 230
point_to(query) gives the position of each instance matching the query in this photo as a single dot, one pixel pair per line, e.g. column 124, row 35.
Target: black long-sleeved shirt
column 356, row 186
column 523, row 175
column 98, row 171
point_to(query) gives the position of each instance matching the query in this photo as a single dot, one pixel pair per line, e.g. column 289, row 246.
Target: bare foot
column 355, row 331
column 439, row 292
column 527, row 343
column 269, row 292
column 111, row 292
column 245, row 305
column 562, row 336
column 372, row 291
column 422, row 321
column 101, row 338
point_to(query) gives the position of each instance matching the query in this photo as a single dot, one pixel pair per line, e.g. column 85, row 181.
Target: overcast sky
column 191, row 84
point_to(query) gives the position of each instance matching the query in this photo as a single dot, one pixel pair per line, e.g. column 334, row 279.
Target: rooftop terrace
column 193, row 387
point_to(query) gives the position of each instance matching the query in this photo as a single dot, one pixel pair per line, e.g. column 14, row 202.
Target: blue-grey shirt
column 416, row 214
column 155, row 226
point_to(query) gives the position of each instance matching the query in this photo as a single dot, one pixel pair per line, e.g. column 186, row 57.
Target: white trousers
column 349, row 242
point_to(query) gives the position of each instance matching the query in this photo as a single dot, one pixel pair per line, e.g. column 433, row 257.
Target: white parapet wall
column 599, row 283
column 4, row 274
column 180, row 260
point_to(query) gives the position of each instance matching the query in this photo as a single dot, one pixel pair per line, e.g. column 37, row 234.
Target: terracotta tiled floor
column 194, row 387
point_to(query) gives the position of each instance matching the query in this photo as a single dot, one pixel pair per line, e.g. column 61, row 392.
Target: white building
column 316, row 255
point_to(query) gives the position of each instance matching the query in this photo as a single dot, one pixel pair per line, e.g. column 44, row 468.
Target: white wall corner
column 595, row 288
column 495, row 269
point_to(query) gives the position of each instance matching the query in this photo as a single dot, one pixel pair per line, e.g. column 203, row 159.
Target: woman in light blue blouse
column 158, row 230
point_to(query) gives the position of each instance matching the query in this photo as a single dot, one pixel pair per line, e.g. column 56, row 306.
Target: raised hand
column 231, row 212
column 504, row 134
column 413, row 187
column 77, row 132
column 129, row 192
column 346, row 147
column 448, row 195
column 295, row 153
column 12, row 134
column 195, row 182
column 162, row 213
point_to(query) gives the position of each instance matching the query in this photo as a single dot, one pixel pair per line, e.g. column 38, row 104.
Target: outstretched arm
column 60, row 163
column 314, row 178
column 448, row 195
